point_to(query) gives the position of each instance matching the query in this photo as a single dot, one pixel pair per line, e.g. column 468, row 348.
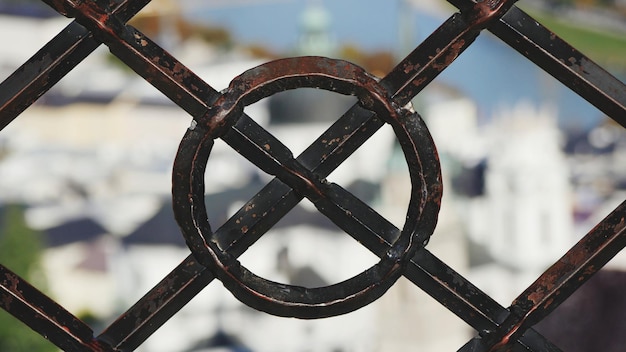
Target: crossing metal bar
column 45, row 316
column 498, row 328
column 559, row 59
column 563, row 62
column 52, row 62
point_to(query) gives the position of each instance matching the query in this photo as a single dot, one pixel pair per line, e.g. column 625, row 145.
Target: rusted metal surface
column 498, row 328
column 563, row 62
column 557, row 283
column 45, row 316
column 35, row 77
column 275, row 159
column 141, row 54
column 422, row 65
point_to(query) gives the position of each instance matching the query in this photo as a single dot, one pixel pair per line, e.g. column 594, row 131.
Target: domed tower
column 315, row 38
column 310, row 105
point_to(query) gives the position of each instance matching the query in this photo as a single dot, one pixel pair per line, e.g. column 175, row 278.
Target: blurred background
column 529, row 168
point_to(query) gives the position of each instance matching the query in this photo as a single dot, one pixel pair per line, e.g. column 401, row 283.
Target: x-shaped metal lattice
column 218, row 115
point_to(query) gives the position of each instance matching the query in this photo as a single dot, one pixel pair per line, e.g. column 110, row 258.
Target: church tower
column 315, row 37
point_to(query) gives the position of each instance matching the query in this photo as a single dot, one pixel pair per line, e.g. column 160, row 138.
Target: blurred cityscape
column 528, row 169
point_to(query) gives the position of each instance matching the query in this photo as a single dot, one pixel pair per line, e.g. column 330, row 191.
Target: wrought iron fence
column 220, row 115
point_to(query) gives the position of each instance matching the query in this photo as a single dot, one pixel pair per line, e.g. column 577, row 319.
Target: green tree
column 20, row 251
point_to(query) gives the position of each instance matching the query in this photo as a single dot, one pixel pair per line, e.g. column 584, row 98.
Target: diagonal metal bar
column 51, row 63
column 171, row 294
column 44, row 315
column 189, row 278
column 457, row 33
column 425, row 270
column 530, row 341
column 148, row 59
column 43, row 70
column 571, row 67
column 557, row 283
column 565, row 63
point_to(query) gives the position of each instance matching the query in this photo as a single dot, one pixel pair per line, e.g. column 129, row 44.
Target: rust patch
column 7, row 300
column 537, row 296
column 548, row 303
column 13, row 283
column 411, row 67
column 419, row 82
column 451, row 55
column 620, row 226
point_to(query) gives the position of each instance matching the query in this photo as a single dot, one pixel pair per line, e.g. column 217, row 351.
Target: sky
column 369, row 23
column 490, row 72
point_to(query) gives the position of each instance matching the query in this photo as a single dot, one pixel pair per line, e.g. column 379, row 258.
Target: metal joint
column 485, row 12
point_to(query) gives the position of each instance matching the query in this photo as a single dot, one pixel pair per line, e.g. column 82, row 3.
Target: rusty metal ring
column 288, row 300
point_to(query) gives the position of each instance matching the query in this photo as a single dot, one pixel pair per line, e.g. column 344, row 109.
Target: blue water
column 489, row 72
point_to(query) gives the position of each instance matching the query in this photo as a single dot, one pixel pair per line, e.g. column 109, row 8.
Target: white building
column 528, row 190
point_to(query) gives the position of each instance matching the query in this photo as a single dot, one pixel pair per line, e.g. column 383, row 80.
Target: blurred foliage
column 379, row 63
column 20, row 251
column 152, row 26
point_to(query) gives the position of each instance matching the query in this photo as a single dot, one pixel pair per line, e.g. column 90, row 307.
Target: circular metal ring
column 288, row 300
